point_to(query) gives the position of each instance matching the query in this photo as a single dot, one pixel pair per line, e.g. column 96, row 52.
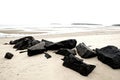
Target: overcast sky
column 37, row 12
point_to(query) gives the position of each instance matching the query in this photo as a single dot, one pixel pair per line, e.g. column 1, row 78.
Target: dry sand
column 22, row 67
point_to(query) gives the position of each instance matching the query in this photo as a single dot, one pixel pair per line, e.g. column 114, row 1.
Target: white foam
column 52, row 29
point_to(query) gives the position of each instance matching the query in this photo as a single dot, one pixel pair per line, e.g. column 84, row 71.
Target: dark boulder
column 109, row 55
column 70, row 43
column 23, row 43
column 84, row 51
column 34, row 42
column 47, row 55
column 21, row 39
column 78, row 65
column 66, row 52
column 8, row 55
column 36, row 49
column 47, row 43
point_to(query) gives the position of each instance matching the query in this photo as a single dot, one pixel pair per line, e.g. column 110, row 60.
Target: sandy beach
column 22, row 67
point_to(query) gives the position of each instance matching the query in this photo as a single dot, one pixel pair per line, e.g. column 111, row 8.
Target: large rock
column 36, row 49
column 78, row 65
column 21, row 39
column 47, row 43
column 8, row 55
column 109, row 55
column 84, row 51
column 34, row 42
column 66, row 52
column 70, row 43
column 24, row 43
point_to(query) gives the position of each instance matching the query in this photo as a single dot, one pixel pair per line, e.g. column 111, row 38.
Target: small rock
column 11, row 42
column 47, row 55
column 5, row 43
column 8, row 55
column 22, row 51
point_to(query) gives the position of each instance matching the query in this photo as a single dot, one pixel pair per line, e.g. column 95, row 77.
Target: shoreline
column 19, row 33
column 53, row 31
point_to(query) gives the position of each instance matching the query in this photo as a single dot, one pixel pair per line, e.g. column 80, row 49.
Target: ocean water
column 51, row 29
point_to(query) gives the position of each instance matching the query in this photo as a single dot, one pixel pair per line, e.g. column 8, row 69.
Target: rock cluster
column 109, row 55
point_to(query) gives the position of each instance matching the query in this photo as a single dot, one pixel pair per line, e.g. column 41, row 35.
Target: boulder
column 8, row 55
column 109, row 55
column 23, row 43
column 34, row 42
column 21, row 39
column 84, row 51
column 66, row 52
column 36, row 49
column 47, row 43
column 78, row 65
column 69, row 44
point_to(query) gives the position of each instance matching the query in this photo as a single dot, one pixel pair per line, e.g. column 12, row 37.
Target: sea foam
column 51, row 29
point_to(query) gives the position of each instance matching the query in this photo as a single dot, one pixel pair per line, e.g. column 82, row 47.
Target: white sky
column 37, row 12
